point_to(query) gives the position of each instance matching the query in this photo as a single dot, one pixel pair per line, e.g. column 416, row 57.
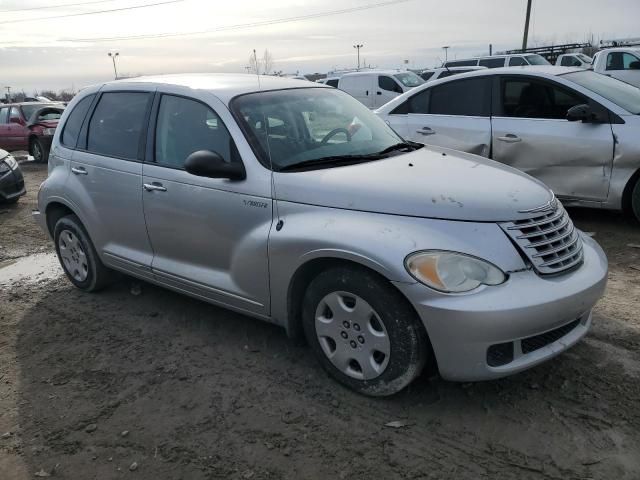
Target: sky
column 71, row 52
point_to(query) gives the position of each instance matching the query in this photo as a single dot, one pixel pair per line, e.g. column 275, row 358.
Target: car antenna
column 266, row 131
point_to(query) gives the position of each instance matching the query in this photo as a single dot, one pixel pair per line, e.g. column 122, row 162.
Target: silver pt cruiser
column 293, row 203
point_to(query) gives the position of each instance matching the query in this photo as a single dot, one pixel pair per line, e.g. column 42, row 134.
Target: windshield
column 584, row 58
column 621, row 93
column 409, row 79
column 286, row 127
column 536, row 60
column 27, row 110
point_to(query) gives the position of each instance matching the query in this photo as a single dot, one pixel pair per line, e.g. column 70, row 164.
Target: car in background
column 331, row 81
column 574, row 60
column 29, row 126
column 374, row 88
column 622, row 63
column 574, row 129
column 11, row 180
column 432, row 74
column 497, row 61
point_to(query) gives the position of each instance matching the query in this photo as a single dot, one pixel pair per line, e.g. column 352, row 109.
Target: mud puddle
column 31, row 269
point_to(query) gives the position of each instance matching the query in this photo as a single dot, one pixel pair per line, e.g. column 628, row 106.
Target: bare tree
column 267, row 62
column 262, row 65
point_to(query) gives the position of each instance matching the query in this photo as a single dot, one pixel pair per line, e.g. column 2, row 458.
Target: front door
column 387, row 89
column 209, row 235
column 453, row 115
column 531, row 133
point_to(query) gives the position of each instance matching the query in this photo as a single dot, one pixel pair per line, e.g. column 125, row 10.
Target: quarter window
column 186, row 126
column 74, row 122
column 388, row 83
column 463, row 97
column 116, row 125
column 534, row 99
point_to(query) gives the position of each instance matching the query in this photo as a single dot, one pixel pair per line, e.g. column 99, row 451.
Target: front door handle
column 425, row 131
column 79, row 171
column 379, row 93
column 154, row 187
column 510, row 138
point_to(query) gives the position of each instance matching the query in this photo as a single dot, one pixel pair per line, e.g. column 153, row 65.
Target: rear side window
column 470, row 98
column 426, row 75
column 116, row 124
column 14, row 113
column 491, row 62
column 333, row 82
column 517, row 62
column 186, row 126
column 74, row 122
column 4, row 115
column 388, row 83
column 462, row 63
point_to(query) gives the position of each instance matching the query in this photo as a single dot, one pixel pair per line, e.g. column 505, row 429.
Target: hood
column 431, row 182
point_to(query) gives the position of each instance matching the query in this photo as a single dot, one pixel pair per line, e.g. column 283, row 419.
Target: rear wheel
column 78, row 256
column 363, row 331
column 38, row 151
column 635, row 200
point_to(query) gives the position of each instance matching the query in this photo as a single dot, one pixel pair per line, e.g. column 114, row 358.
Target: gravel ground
column 157, row 385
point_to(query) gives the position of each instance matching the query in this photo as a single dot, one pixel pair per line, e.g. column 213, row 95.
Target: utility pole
column 526, row 26
column 446, row 56
column 113, row 57
column 358, row 47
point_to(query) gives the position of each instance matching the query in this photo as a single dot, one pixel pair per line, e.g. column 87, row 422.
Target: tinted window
column 462, row 63
column 620, row 61
column 388, row 83
column 419, row 103
column 448, row 73
column 333, row 82
column 4, row 115
column 534, row 99
column 517, row 62
column 186, row 126
column 427, row 75
column 463, row 97
column 74, row 122
column 569, row 62
column 491, row 62
column 116, row 125
column 14, row 113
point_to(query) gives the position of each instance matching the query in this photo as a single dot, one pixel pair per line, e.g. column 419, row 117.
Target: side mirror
column 204, row 163
column 581, row 113
column 634, row 65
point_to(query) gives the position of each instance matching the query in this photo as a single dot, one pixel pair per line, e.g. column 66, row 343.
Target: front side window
column 469, row 97
column 74, row 122
column 287, row 127
column 517, row 62
column 185, row 126
column 622, row 61
column 333, row 82
column 116, row 125
column 419, row 103
column 409, row 79
column 569, row 61
column 389, row 84
column 524, row 98
column 491, row 62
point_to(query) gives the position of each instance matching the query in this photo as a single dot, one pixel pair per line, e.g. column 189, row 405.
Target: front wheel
column 363, row 332
column 635, row 200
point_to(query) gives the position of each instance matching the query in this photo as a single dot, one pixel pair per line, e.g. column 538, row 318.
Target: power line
column 47, row 7
column 92, row 13
column 241, row 25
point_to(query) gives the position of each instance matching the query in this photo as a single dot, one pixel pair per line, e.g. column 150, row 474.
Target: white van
column 375, row 88
column 497, row 61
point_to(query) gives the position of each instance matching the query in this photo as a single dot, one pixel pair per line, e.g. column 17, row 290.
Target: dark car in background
column 11, row 181
column 29, row 126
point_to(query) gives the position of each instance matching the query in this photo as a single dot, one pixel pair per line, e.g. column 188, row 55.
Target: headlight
column 48, row 131
column 452, row 272
column 11, row 162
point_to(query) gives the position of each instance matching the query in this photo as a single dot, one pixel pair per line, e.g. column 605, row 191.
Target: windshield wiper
column 409, row 146
column 332, row 161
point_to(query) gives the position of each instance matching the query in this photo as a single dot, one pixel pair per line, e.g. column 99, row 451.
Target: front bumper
column 12, row 185
column 462, row 328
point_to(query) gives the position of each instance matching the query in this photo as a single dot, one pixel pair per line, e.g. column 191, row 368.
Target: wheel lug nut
column 345, row 324
column 356, row 327
column 343, row 334
column 353, row 344
column 360, row 338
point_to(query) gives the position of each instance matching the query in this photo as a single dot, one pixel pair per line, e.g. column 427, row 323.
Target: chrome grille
column 549, row 241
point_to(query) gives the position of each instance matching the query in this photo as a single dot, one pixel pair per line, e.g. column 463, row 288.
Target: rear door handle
column 379, row 93
column 425, row 131
column 154, row 187
column 510, row 138
column 79, row 171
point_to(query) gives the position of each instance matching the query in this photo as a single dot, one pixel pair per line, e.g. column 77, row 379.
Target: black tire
column 635, row 200
column 38, row 151
column 409, row 345
column 97, row 275
column 10, row 201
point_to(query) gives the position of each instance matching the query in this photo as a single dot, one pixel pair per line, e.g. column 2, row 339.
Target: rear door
column 531, row 133
column 209, row 235
column 17, row 132
column 455, row 114
column 106, row 176
column 5, row 140
column 360, row 87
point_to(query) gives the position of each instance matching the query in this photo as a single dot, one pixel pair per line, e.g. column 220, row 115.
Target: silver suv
column 293, row 203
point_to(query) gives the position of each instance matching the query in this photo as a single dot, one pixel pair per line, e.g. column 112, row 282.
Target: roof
column 620, row 49
column 550, row 70
column 467, row 68
column 376, row 72
column 20, row 104
column 224, row 85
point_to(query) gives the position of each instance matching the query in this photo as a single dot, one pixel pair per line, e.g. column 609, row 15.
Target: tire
column 635, row 200
column 376, row 316
column 38, row 151
column 78, row 256
column 11, row 201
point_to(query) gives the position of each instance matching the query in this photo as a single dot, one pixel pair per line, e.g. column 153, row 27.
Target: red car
column 29, row 126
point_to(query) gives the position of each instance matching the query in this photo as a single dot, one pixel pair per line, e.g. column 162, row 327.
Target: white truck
column 574, row 60
column 622, row 63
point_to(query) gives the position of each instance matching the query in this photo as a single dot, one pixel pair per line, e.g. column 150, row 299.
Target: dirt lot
column 159, row 386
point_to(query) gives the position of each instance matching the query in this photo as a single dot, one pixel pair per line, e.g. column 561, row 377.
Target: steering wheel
column 334, row 132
